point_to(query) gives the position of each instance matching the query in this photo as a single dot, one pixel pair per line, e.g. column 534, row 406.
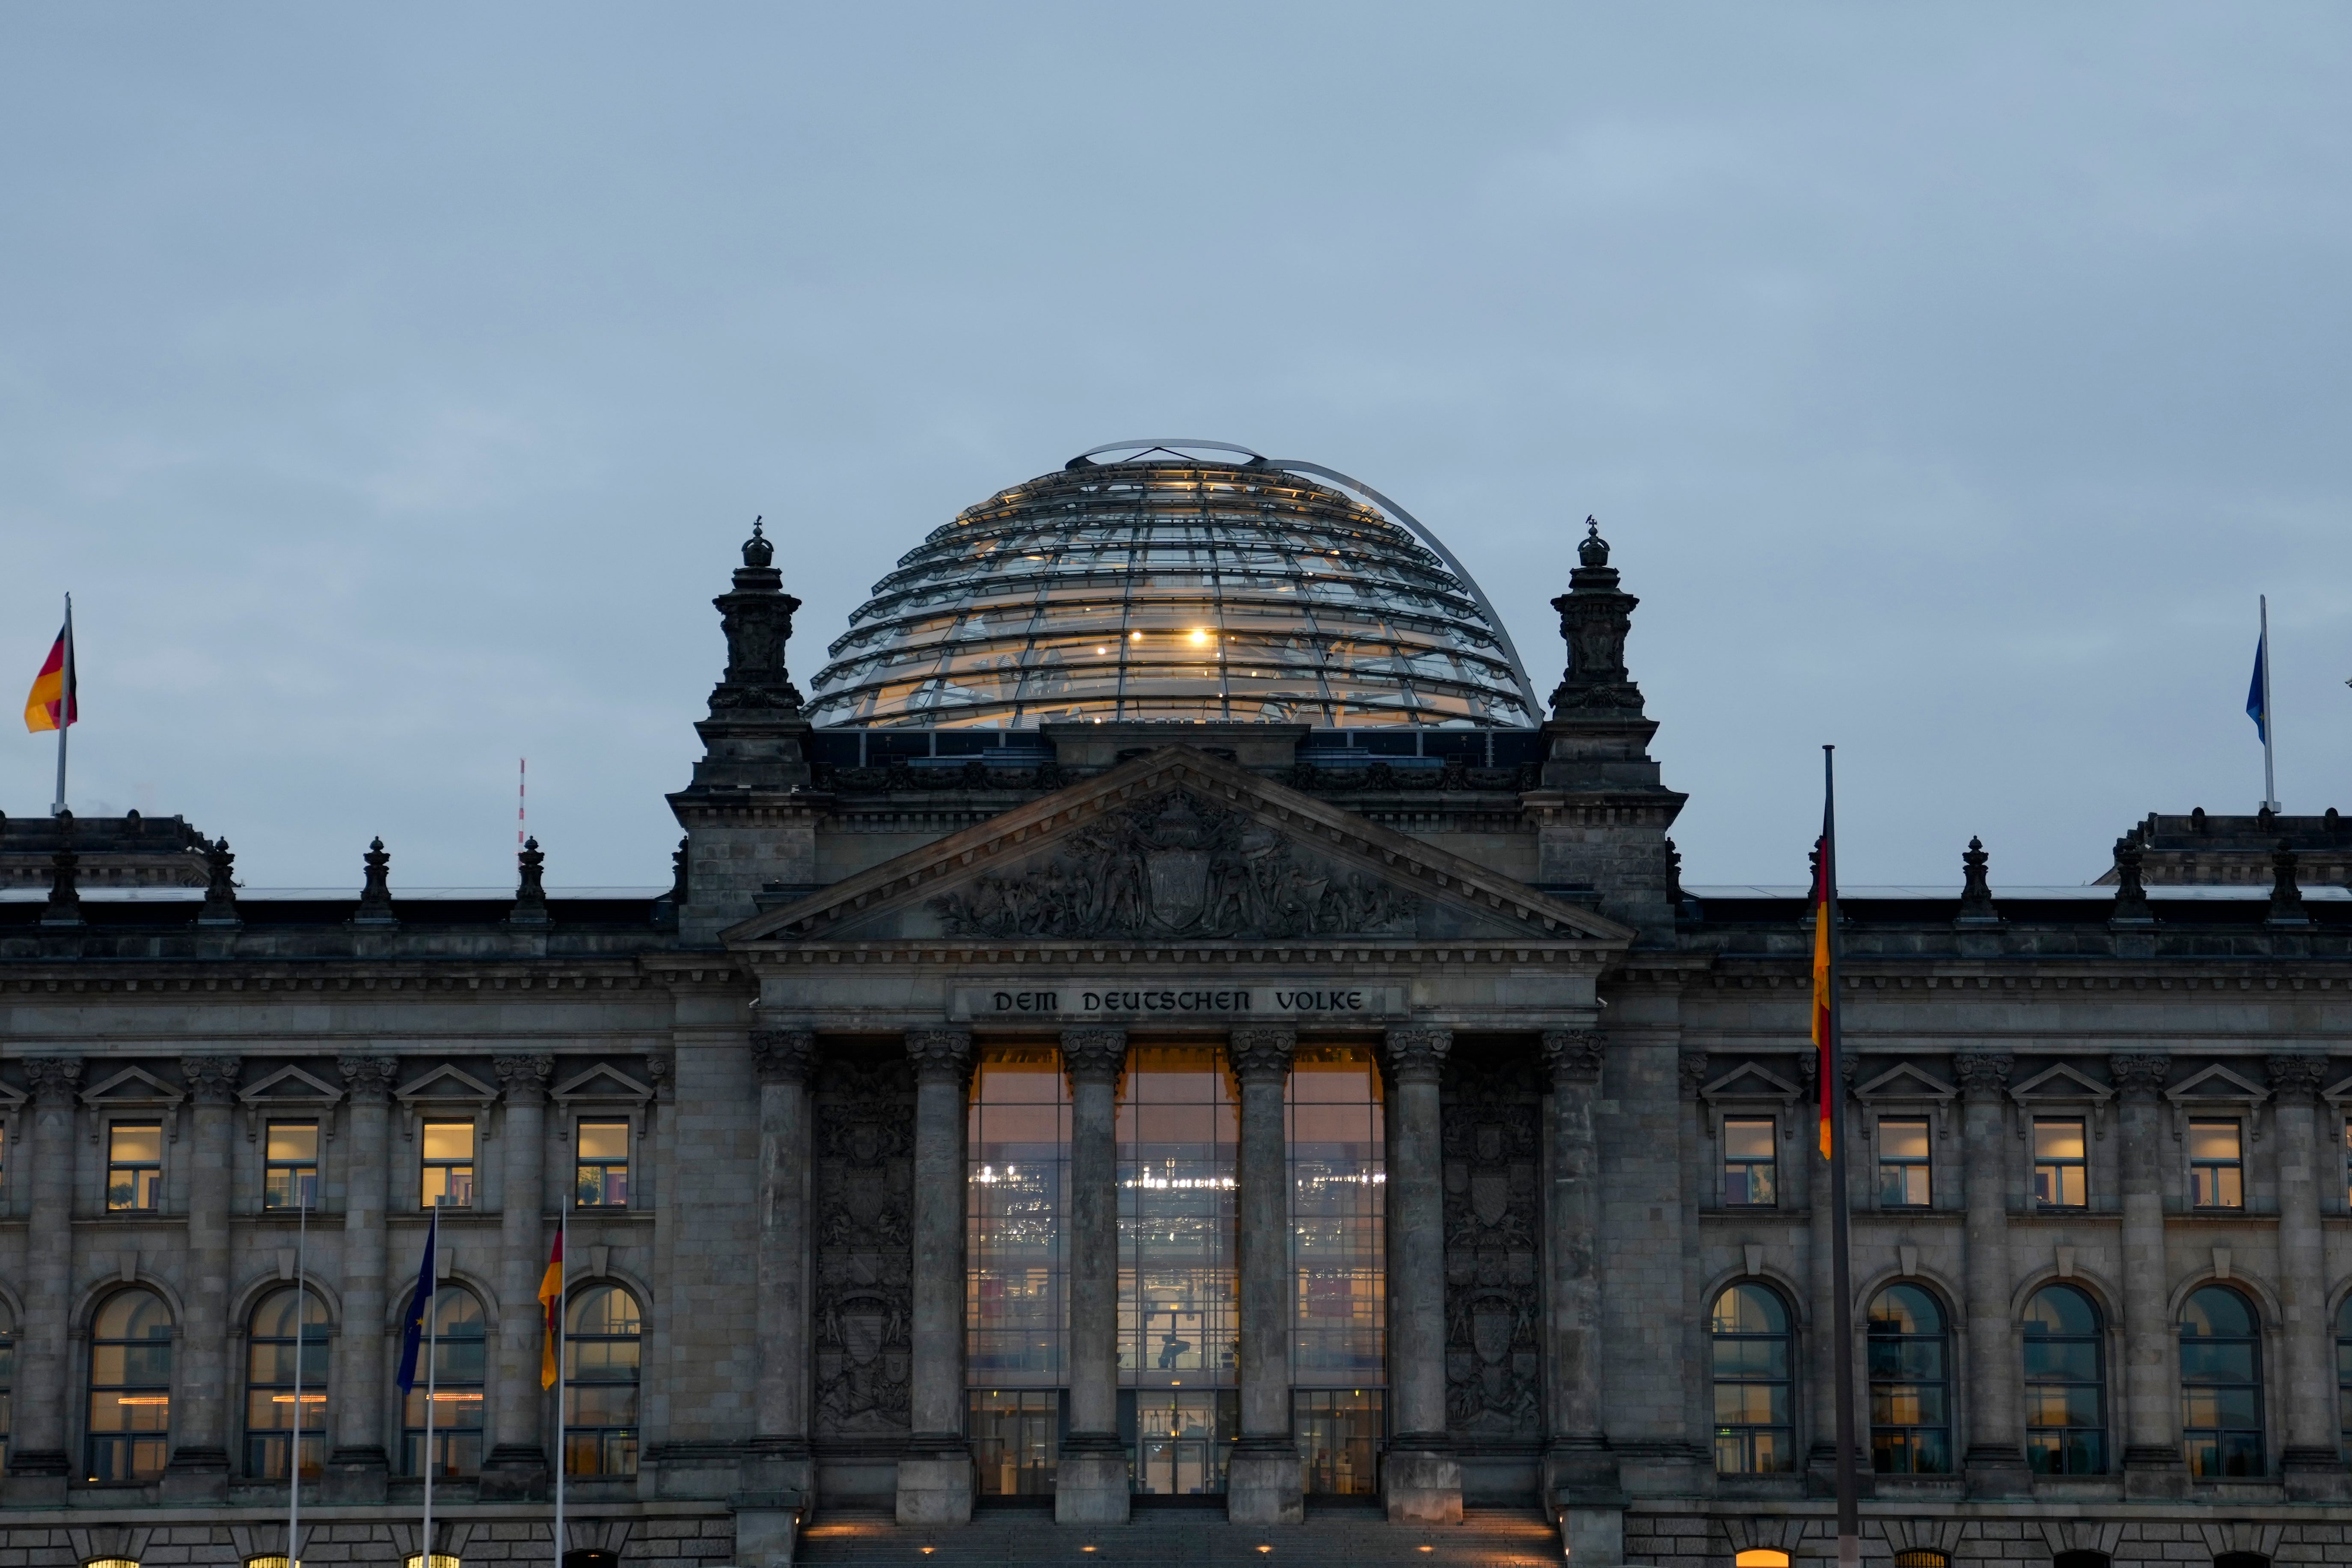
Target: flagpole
column 65, row 711
column 432, row 1295
column 562, row 1431
column 301, row 1310
column 1849, row 1526
column 2270, row 714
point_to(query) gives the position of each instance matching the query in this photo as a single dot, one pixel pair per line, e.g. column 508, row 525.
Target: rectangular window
column 603, row 1177
column 2217, row 1170
column 2061, row 1167
column 134, row 1165
column 1903, row 1179
column 289, row 1178
column 448, row 1165
column 1750, row 1166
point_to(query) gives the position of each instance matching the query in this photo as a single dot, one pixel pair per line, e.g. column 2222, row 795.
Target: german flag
column 1825, row 982
column 56, row 699
column 551, row 1300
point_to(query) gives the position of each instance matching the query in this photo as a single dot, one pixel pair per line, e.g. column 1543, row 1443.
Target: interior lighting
column 1199, row 635
column 1131, row 637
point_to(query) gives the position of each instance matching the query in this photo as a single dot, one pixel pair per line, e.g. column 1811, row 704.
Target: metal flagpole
column 1849, row 1525
column 65, row 711
column 562, row 1432
column 2270, row 718
column 432, row 1298
column 301, row 1310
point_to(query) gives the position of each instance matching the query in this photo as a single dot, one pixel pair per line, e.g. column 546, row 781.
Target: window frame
column 2097, row 1340
column 1940, row 1384
column 313, row 1439
column 602, row 1435
column 2080, row 1164
column 150, row 1392
column 1745, row 1431
column 118, row 1124
column 1924, row 1164
column 442, row 1432
column 427, row 1163
column 2235, row 1166
column 581, row 1164
column 271, row 1165
column 1769, row 1164
column 2258, row 1384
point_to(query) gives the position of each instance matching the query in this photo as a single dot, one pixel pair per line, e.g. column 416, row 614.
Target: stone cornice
column 1552, row 956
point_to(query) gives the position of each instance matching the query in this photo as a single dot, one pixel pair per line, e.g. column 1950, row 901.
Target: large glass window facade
column 1171, row 588
column 274, row 1410
column 2222, row 1386
column 1910, row 1385
column 130, row 1430
column 2066, row 1384
column 1337, row 1135
column 1016, row 1279
column 1178, row 1361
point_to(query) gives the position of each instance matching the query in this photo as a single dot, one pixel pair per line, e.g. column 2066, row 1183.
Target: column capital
column 2138, row 1077
column 940, row 1055
column 54, row 1079
column 1983, row 1075
column 1261, row 1053
column 369, row 1079
column 2297, row 1079
column 1415, row 1054
column 1574, row 1053
column 782, row 1056
column 1691, row 1067
column 1094, row 1056
column 525, row 1077
column 212, row 1079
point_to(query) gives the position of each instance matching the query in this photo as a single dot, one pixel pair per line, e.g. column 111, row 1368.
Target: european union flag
column 2257, row 706
column 418, row 1304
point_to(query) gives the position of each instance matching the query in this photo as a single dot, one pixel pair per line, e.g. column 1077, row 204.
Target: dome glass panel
column 1169, row 588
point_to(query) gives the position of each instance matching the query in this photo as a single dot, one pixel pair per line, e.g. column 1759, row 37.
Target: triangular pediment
column 1172, row 846
column 1751, row 1080
column 290, row 1083
column 446, row 1082
column 600, row 1082
column 2216, row 1083
column 2062, row 1082
column 1904, row 1081
column 135, row 1085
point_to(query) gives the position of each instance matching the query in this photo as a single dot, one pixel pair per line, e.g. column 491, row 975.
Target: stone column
column 36, row 1448
column 198, row 1470
column 1698, row 1387
column 2152, row 1461
column 1091, row 1486
column 358, row 1467
column 1266, row 1483
column 1579, row 1478
column 516, row 1467
column 2314, row 1472
column 781, row 1458
column 935, row 1476
column 1421, row 1479
column 1995, row 1462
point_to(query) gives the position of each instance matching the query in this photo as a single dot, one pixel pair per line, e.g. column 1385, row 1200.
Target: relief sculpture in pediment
column 1177, row 866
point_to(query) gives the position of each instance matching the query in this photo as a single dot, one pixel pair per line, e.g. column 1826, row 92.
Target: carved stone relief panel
column 864, row 1301
column 1494, row 1310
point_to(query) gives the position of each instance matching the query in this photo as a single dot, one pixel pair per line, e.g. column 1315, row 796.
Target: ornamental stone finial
column 376, row 888
column 531, row 889
column 2138, row 1077
column 220, row 886
column 756, row 615
column 2297, row 1079
column 1262, row 1054
column 940, row 1055
column 1983, row 1075
column 368, row 1078
column 2286, row 898
column 1574, row 1055
column 54, row 1079
column 782, row 1056
column 2131, row 894
column 64, row 905
column 1976, row 886
column 525, row 1077
column 1595, row 617
column 212, row 1079
column 1094, row 1056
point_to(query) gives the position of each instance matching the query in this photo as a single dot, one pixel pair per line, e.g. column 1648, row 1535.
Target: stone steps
column 1336, row 1538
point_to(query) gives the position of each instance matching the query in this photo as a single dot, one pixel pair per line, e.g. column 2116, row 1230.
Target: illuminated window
column 291, row 1166
column 111, row 1563
column 1753, row 1434
column 134, row 1165
column 1761, row 1557
column 2220, row 1385
column 601, row 1343
column 600, row 1179
column 2217, row 1176
column 1922, row 1557
column 1015, row 1440
column 2066, row 1384
column 1903, row 1173
column 129, row 1388
column 448, row 1165
column 1335, row 1133
column 458, row 1362
column 1016, row 1285
column 2061, row 1168
column 1750, row 1166
column 269, row 1397
column 1910, row 1391
column 440, row 1560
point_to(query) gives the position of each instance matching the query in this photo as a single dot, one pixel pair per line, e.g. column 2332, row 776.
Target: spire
column 1595, row 616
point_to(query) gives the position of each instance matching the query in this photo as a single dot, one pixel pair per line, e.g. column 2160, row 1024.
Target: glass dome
column 1171, row 587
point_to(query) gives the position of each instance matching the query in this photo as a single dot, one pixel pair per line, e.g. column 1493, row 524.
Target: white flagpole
column 65, row 711
column 301, row 1310
column 2270, row 714
column 562, row 1299
column 431, row 1296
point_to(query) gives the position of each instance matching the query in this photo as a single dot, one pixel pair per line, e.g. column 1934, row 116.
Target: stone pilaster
column 516, row 1467
column 1698, row 1179
column 1266, row 1484
column 37, row 1448
column 198, row 1470
column 781, row 1060
column 2314, row 1470
column 2152, row 1461
column 358, row 1467
column 1421, row 1477
column 1091, row 1486
column 935, row 1476
column 1995, row 1461
column 1580, row 1478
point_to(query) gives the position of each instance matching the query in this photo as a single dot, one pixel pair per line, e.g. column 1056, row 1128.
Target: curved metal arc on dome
column 1437, row 546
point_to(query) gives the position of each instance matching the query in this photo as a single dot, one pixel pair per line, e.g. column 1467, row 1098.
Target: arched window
column 601, row 1401
column 2066, row 1384
column 1910, row 1423
column 1761, row 1557
column 269, row 1395
column 129, row 1388
column 2220, row 1385
column 1753, row 1435
column 458, row 1359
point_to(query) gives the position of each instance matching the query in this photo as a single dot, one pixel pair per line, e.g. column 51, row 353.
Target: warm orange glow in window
column 1761, row 1557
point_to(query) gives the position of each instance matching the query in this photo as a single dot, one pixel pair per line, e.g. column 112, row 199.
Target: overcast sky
column 392, row 385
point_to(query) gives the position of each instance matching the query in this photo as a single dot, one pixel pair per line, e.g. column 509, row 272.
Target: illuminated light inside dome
column 1172, row 587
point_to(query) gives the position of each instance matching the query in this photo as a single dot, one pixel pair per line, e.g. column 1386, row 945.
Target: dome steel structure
column 1169, row 585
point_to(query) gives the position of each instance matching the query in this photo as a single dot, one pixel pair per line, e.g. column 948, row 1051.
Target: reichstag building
column 1173, row 1020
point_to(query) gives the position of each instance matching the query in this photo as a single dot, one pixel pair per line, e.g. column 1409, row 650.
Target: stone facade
column 1600, row 1096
